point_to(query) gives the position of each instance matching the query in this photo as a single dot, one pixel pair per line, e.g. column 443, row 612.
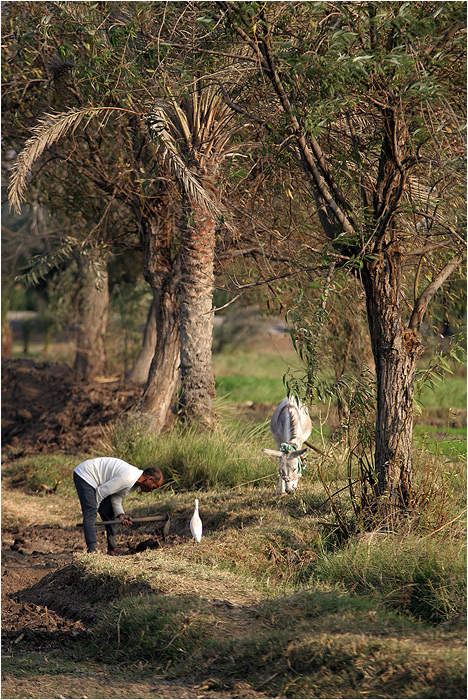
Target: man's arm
column 116, row 500
column 125, row 518
column 113, row 487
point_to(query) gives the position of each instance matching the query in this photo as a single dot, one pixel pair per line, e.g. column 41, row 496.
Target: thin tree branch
column 424, row 299
column 448, row 228
column 424, row 251
column 214, row 53
column 314, row 161
column 239, row 110
column 228, row 255
column 291, row 273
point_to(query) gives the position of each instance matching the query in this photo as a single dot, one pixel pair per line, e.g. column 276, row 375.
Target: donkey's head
column 289, row 468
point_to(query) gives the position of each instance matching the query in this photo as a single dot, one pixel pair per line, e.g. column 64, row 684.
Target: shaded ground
column 46, row 409
column 32, row 552
column 28, row 554
column 34, row 632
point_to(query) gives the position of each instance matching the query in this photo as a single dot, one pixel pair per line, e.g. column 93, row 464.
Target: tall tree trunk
column 158, row 395
column 162, row 273
column 396, row 350
column 196, row 317
column 140, row 370
column 90, row 358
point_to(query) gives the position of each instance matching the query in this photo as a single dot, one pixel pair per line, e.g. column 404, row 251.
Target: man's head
column 150, row 480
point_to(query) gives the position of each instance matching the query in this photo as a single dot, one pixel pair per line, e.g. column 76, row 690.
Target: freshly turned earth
column 45, row 408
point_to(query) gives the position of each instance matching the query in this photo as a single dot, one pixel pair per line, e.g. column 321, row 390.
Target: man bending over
column 101, row 484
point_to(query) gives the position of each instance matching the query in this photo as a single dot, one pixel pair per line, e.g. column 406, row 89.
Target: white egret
column 196, row 526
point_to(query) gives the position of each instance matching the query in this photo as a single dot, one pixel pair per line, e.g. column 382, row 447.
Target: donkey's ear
column 274, row 453
column 296, row 453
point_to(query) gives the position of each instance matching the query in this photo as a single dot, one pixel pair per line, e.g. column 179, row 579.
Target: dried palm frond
column 49, row 129
column 158, row 127
column 194, row 137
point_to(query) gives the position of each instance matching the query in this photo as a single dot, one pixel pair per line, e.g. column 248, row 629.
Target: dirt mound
column 45, row 408
column 44, row 601
column 28, row 554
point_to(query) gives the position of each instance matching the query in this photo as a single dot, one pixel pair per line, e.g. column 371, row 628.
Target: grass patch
column 194, row 459
column 449, row 392
column 415, row 576
column 234, row 609
column 249, row 374
column 40, row 473
column 446, row 442
column 196, row 621
column 82, row 590
column 239, row 389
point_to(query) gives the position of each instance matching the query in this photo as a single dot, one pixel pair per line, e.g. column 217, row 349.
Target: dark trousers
column 87, row 495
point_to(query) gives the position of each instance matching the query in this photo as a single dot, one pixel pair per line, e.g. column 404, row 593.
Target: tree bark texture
column 395, row 347
column 396, row 350
column 162, row 273
column 90, row 358
column 159, row 392
column 140, row 370
column 196, row 316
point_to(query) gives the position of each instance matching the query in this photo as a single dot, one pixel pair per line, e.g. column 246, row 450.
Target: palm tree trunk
column 160, row 388
column 196, row 317
column 90, row 358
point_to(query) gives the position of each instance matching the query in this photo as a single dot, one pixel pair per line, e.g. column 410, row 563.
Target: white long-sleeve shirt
column 110, row 477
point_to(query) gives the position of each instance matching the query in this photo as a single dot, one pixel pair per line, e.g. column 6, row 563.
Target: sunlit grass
column 446, row 441
column 450, row 392
column 410, row 574
column 253, row 373
column 191, row 458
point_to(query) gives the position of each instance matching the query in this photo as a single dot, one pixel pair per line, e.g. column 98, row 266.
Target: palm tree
column 195, row 138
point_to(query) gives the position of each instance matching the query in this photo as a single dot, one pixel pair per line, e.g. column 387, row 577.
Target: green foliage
column 442, row 441
column 431, row 385
column 356, row 391
column 377, row 45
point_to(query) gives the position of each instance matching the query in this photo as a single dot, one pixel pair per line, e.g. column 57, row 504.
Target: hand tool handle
column 147, row 519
